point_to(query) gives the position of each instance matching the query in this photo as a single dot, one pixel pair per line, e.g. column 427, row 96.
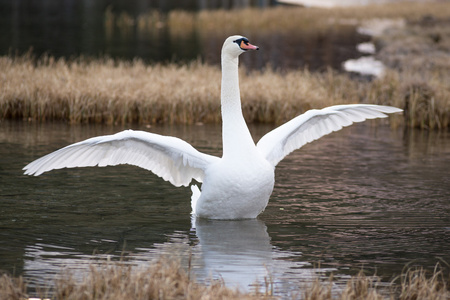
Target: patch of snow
column 366, row 65
column 368, row 48
column 332, row 3
column 376, row 27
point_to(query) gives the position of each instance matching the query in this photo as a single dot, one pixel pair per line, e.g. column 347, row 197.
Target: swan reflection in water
column 238, row 252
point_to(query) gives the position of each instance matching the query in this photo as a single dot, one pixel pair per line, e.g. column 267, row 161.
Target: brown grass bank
column 166, row 279
column 107, row 91
column 419, row 58
column 120, row 92
column 278, row 20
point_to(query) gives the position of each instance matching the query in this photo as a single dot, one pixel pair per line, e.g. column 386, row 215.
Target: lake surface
column 71, row 29
column 366, row 197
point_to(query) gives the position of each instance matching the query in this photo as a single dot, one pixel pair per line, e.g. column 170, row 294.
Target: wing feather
column 314, row 124
column 168, row 157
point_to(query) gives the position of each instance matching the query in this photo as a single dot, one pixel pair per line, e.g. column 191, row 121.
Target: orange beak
column 248, row 46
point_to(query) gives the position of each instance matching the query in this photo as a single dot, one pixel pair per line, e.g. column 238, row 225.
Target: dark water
column 78, row 28
column 366, row 197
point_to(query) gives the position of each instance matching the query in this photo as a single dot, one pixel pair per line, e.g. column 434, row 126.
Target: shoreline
column 118, row 92
column 415, row 56
column 166, row 278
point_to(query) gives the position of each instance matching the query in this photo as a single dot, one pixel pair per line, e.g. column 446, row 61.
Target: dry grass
column 417, row 284
column 358, row 287
column 419, row 56
column 163, row 279
column 107, row 91
column 414, row 284
column 282, row 19
column 119, row 92
column 12, row 288
column 166, row 279
column 311, row 21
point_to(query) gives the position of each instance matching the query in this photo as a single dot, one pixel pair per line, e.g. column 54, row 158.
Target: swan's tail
column 195, row 195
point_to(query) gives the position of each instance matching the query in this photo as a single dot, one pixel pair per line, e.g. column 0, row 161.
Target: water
column 365, row 197
column 77, row 28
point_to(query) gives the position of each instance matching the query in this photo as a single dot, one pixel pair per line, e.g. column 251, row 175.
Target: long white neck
column 237, row 141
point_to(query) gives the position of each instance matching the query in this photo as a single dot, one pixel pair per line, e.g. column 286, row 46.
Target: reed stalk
column 165, row 278
column 108, row 91
column 282, row 19
column 104, row 90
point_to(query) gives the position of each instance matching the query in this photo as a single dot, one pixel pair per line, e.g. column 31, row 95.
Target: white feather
column 239, row 184
column 168, row 157
column 314, row 124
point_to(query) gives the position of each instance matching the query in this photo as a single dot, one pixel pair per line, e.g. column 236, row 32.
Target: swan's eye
column 242, row 42
column 245, row 45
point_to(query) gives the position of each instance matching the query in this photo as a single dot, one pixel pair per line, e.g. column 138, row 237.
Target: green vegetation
column 166, row 279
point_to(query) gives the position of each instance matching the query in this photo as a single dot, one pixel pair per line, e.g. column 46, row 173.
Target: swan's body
column 239, row 184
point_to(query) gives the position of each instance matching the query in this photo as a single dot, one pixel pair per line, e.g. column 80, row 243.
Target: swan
column 237, row 185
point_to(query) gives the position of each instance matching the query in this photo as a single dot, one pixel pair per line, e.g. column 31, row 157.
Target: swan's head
column 235, row 45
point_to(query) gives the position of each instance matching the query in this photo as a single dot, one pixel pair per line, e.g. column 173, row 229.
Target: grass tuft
column 166, row 279
column 289, row 20
column 419, row 284
column 12, row 288
column 111, row 92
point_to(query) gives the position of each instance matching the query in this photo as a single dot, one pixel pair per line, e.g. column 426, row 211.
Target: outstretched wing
column 314, row 124
column 168, row 157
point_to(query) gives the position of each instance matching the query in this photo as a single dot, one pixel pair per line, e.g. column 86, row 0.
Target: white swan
column 236, row 186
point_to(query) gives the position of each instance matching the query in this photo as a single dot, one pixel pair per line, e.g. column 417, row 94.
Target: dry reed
column 279, row 20
column 418, row 284
column 107, row 91
column 12, row 288
column 166, row 279
column 420, row 56
column 119, row 92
